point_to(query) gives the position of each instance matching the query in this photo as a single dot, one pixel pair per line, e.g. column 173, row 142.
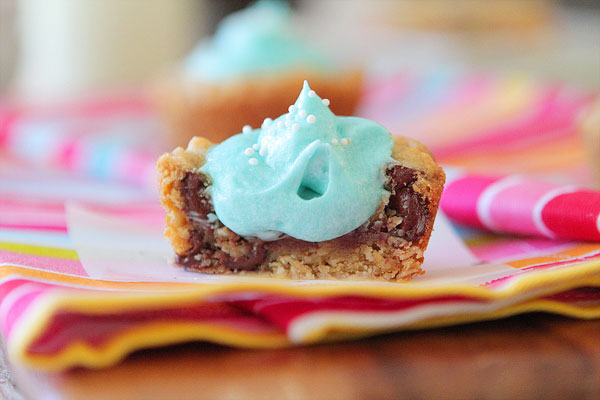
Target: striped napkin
column 516, row 204
column 86, row 276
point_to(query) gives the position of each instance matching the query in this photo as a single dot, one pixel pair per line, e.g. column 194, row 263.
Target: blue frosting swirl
column 308, row 174
column 258, row 39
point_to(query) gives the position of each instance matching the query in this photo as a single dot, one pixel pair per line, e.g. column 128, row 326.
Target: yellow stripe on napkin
column 39, row 250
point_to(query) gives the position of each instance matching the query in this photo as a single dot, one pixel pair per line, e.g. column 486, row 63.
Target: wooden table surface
column 528, row 356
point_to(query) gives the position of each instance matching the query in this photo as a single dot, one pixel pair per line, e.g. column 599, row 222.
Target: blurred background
column 63, row 47
column 78, row 78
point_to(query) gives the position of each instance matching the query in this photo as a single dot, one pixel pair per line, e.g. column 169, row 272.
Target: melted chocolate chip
column 203, row 253
column 197, row 245
column 407, row 204
column 401, row 176
column 194, row 195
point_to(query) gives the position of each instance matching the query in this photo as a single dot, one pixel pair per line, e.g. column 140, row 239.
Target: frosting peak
column 308, row 174
column 307, row 123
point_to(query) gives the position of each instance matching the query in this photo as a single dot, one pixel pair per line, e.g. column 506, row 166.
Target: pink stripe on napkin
column 67, row 327
column 510, row 210
column 461, row 196
column 284, row 312
column 575, row 215
column 518, row 205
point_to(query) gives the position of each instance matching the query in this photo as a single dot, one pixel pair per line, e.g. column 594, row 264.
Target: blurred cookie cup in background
column 250, row 69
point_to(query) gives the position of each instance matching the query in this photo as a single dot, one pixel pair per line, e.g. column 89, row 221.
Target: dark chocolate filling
column 204, row 253
column 194, row 195
column 407, row 203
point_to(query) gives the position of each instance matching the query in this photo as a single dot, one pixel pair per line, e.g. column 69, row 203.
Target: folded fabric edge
column 156, row 334
column 340, row 333
column 34, row 319
column 135, row 295
column 337, row 326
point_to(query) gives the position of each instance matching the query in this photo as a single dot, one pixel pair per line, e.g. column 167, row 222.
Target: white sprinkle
column 312, row 93
column 280, row 124
column 345, row 141
column 295, row 127
column 255, row 146
column 325, row 102
column 311, row 119
column 211, row 217
column 288, row 116
column 288, row 123
column 267, row 121
column 262, row 152
column 249, row 151
column 247, row 129
column 334, row 141
column 253, row 161
column 302, row 113
column 292, row 108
